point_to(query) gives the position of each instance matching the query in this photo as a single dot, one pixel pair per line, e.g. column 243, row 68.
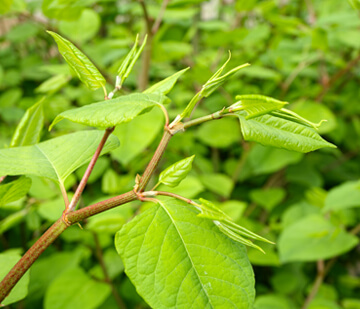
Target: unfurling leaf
column 84, row 68
column 210, row 86
column 256, row 105
column 175, row 173
column 112, row 112
column 272, row 130
column 129, row 61
column 236, row 232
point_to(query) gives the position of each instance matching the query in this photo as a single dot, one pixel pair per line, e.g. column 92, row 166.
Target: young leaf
column 256, row 105
column 236, row 232
column 270, row 130
column 28, row 130
column 111, row 112
column 129, row 61
column 14, row 190
column 53, row 84
column 210, row 86
column 84, row 68
column 56, row 158
column 165, row 85
column 174, row 257
column 175, row 173
column 346, row 195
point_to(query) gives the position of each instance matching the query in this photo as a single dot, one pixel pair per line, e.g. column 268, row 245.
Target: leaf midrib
column 187, row 252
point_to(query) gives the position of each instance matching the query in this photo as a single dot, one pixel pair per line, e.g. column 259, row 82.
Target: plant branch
column 160, row 16
column 88, row 171
column 337, row 76
column 179, row 197
column 144, row 180
column 30, row 257
column 318, row 281
column 99, row 254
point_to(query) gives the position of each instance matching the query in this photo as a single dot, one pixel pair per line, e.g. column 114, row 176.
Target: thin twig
column 88, row 171
column 318, row 281
column 99, row 254
column 160, row 16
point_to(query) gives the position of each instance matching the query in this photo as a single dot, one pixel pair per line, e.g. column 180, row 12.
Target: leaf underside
column 175, row 258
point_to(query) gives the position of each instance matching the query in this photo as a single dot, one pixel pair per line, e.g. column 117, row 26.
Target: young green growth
column 209, row 87
column 129, row 62
column 82, row 66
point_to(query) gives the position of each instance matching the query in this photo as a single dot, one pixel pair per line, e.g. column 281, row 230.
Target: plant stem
column 191, row 123
column 30, row 257
column 100, row 257
column 86, row 212
column 318, row 281
column 160, row 16
column 154, row 161
column 88, row 171
column 179, row 197
column 2, row 178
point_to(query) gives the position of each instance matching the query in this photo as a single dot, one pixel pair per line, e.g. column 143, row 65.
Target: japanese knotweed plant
column 179, row 253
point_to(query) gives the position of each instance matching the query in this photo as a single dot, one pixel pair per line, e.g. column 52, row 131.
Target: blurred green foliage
column 306, row 53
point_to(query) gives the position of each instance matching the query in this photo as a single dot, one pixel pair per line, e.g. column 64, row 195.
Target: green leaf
column 63, row 9
column 268, row 198
column 314, row 238
column 189, row 187
column 82, row 29
column 218, row 183
column 110, row 113
column 165, row 85
column 346, row 195
column 175, row 173
column 5, row 6
column 271, row 130
column 56, row 158
column 135, row 136
column 53, row 84
column 167, row 259
column 84, row 68
column 75, row 289
column 236, row 232
column 220, row 134
column 29, row 128
column 355, row 4
column 14, row 190
column 210, row 86
column 129, row 61
column 256, row 105
column 7, row 261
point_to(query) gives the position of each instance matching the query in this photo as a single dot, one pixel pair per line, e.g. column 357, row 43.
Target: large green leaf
column 314, row 238
column 28, row 130
column 84, row 68
column 111, row 112
column 56, row 158
column 165, row 85
column 7, row 261
column 346, row 195
column 75, row 289
column 14, row 190
column 176, row 172
column 62, row 9
column 178, row 260
column 274, row 131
